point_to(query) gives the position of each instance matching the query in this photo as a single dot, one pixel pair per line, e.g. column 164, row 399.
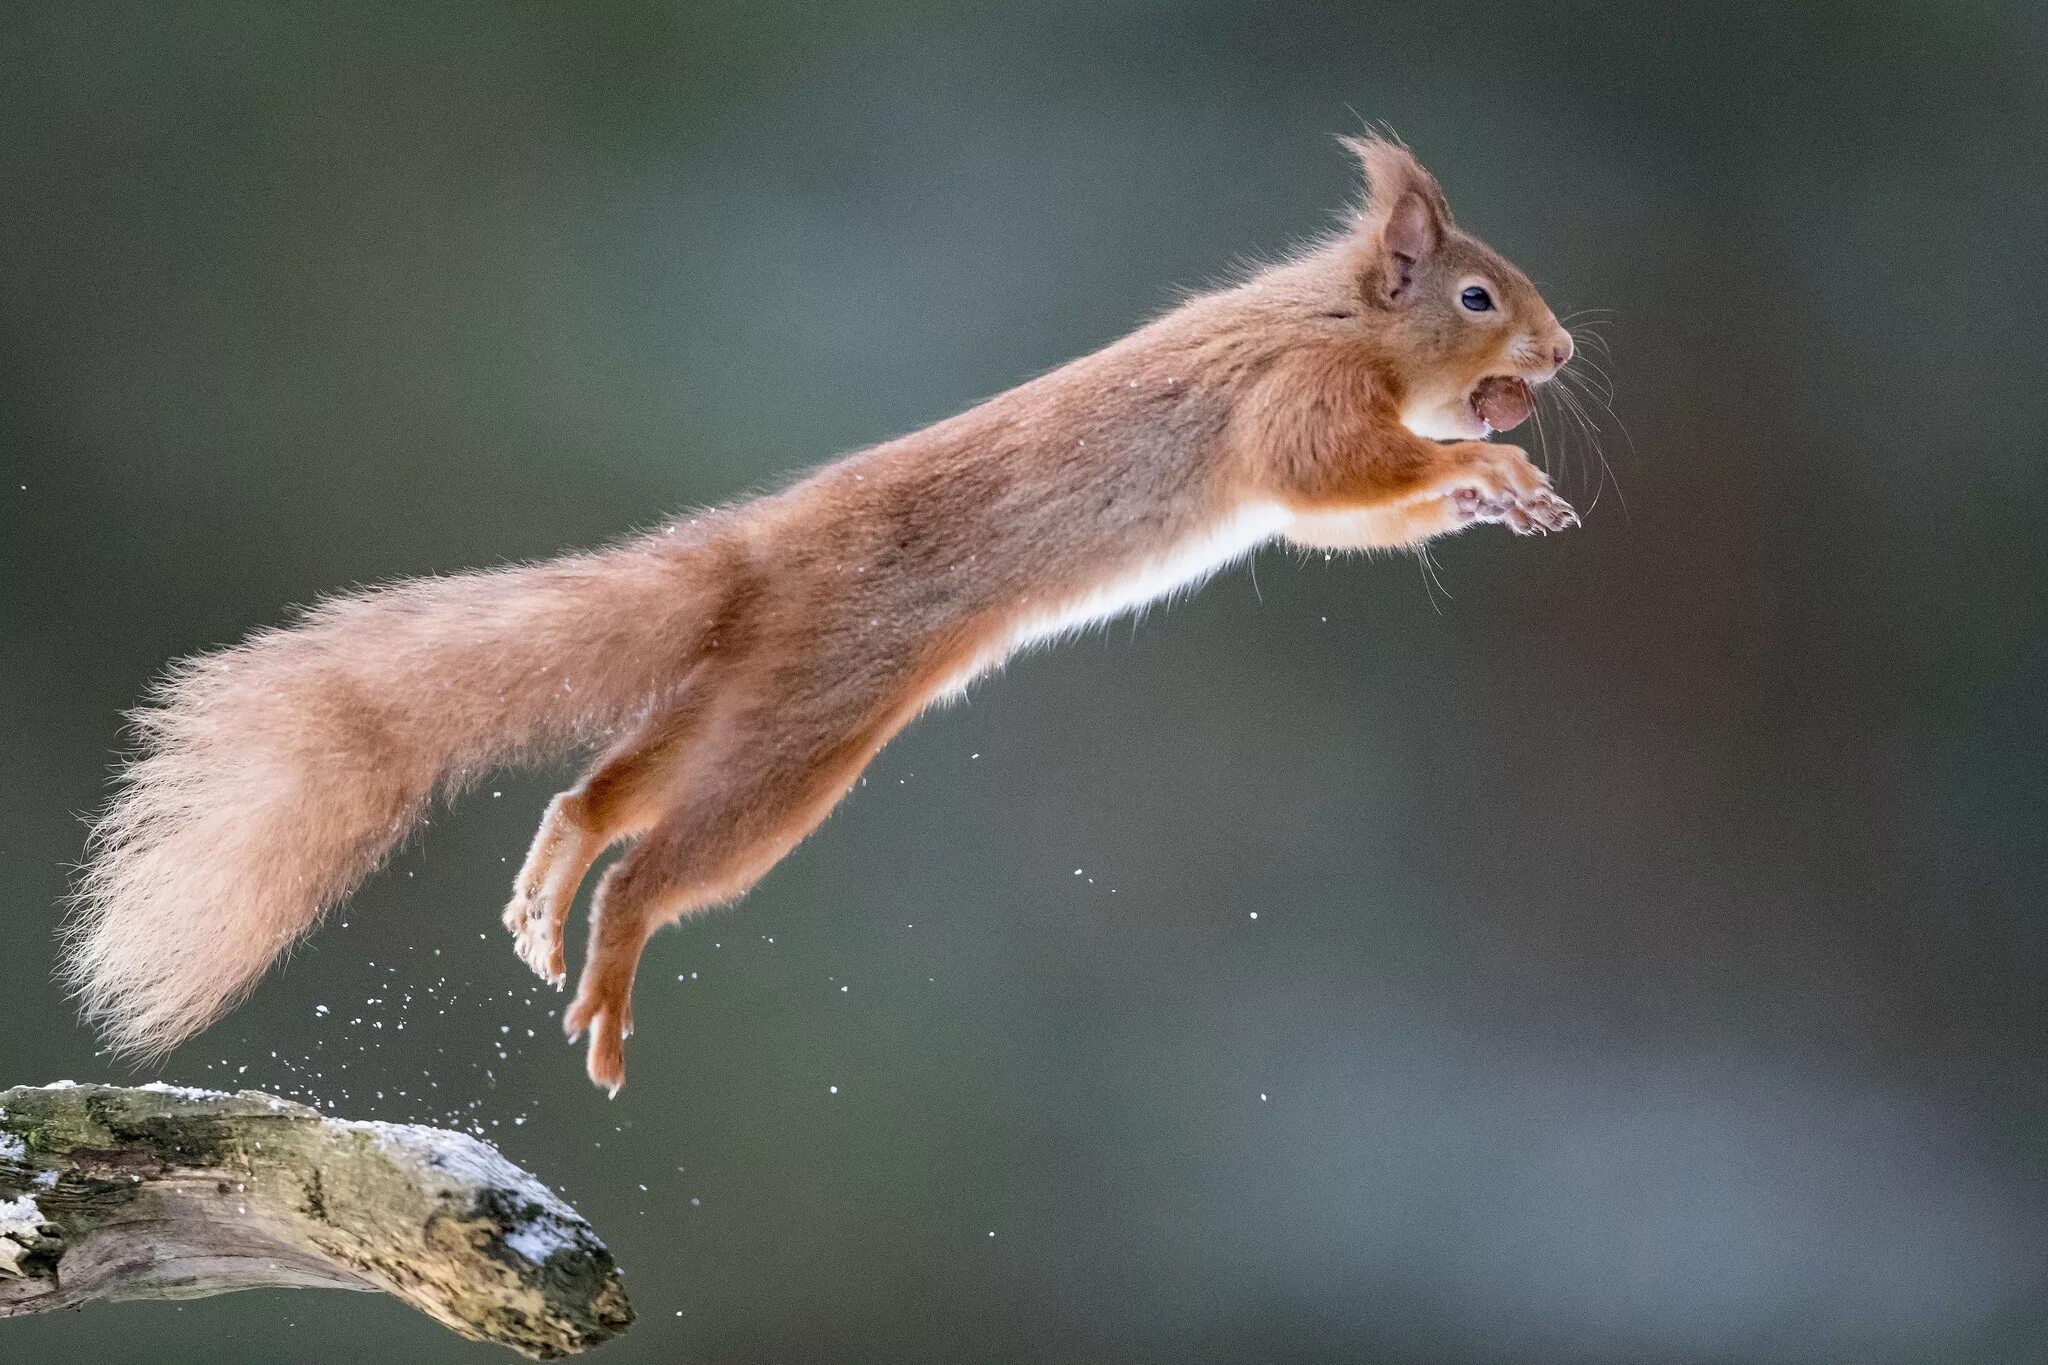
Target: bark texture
column 160, row 1192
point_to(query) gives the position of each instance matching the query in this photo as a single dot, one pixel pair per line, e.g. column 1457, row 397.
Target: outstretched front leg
column 1475, row 482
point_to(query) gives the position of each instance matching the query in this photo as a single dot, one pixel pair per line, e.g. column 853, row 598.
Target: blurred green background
column 1630, row 952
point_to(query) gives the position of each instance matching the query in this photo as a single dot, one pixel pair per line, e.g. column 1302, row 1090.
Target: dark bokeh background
column 1647, row 931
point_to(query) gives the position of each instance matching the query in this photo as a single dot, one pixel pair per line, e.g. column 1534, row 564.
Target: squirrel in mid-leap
column 739, row 668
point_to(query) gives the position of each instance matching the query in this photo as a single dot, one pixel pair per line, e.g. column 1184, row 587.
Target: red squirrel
column 739, row 668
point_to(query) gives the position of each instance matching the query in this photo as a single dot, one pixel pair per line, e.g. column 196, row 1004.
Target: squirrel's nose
column 1561, row 349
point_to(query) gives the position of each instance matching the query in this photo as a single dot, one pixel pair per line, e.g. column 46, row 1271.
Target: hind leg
column 612, row 802
column 571, row 838
column 744, row 811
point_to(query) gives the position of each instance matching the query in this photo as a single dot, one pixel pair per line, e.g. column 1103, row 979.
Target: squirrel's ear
column 1405, row 218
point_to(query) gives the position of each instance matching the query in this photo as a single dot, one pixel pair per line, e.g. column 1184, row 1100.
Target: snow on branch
column 160, row 1192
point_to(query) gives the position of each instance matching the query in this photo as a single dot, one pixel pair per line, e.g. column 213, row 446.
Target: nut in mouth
column 1502, row 401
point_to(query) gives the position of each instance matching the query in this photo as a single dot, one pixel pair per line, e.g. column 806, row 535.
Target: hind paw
column 610, row 1023
column 537, row 937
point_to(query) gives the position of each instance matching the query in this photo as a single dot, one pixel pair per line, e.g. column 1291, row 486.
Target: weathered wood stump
column 159, row 1192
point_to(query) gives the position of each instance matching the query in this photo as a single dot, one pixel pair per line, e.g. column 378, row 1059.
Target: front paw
column 1502, row 486
column 1544, row 512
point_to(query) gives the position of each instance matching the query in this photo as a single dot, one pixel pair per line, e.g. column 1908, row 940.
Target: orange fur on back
column 739, row 669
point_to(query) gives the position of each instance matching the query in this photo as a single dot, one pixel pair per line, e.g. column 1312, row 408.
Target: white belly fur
column 1186, row 565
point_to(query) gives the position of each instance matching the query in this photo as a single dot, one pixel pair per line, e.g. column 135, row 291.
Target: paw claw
column 536, row 936
column 576, row 1019
column 606, row 1063
column 609, row 1023
column 1506, row 489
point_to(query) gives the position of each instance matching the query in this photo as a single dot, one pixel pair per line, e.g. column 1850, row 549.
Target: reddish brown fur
column 741, row 668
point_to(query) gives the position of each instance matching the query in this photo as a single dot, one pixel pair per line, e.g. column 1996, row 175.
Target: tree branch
column 159, row 1192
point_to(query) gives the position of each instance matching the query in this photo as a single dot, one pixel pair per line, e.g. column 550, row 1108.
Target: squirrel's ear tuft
column 1405, row 217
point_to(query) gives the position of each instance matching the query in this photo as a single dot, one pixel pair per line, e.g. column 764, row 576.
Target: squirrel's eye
column 1476, row 299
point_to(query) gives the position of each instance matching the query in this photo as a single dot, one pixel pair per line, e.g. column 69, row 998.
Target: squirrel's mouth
column 1502, row 401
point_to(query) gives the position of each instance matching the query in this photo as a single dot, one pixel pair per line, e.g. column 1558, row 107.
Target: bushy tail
column 274, row 776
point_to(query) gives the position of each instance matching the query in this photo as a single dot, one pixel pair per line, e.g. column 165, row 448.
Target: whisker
column 1432, row 582
column 1569, row 409
column 1567, row 418
column 1628, row 442
column 1585, row 336
column 1606, row 384
column 1584, row 387
column 1588, row 341
column 1568, row 398
column 1542, row 438
column 1566, row 392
